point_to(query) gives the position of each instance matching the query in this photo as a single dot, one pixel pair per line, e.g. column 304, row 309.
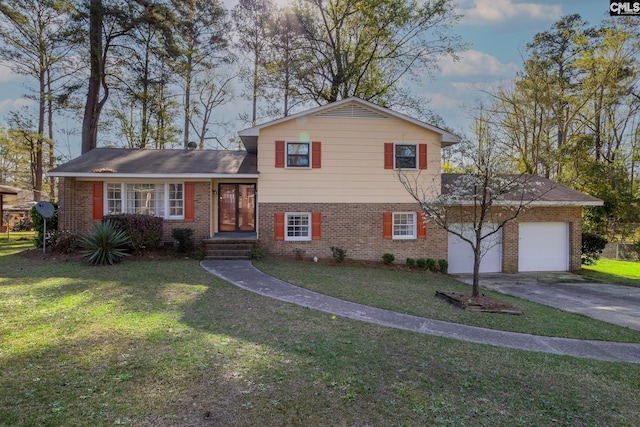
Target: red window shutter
column 387, row 225
column 316, row 154
column 316, row 226
column 279, row 225
column 279, row 154
column 189, row 201
column 422, row 225
column 388, row 155
column 422, row 156
column 98, row 201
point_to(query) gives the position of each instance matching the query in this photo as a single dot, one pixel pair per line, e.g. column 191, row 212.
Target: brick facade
column 76, row 207
column 569, row 214
column 358, row 228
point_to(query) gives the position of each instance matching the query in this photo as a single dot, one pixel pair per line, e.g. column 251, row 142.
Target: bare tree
column 476, row 205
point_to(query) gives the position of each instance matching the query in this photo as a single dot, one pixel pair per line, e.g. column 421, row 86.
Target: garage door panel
column 461, row 255
column 543, row 246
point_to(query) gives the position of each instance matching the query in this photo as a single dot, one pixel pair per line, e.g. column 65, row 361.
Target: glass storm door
column 237, row 207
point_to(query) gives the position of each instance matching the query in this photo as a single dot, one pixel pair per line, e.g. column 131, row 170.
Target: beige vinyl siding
column 352, row 161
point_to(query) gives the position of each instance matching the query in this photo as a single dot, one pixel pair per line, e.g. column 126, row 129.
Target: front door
column 236, row 207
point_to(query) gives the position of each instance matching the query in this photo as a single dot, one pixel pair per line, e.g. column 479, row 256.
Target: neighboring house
column 322, row 178
column 15, row 204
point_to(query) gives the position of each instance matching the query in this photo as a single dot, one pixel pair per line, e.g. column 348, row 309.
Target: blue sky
column 497, row 30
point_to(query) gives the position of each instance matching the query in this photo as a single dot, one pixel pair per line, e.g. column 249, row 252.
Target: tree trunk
column 93, row 106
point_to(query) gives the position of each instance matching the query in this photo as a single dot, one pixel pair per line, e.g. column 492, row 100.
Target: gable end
column 351, row 111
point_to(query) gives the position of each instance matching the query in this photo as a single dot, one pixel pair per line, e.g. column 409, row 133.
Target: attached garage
column 543, row 246
column 461, row 254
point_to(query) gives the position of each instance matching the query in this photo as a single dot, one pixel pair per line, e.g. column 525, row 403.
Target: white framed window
column 298, row 154
column 297, row 226
column 158, row 199
column 404, row 225
column 114, row 198
column 405, row 156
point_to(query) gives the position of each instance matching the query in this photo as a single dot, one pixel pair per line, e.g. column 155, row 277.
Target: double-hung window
column 298, row 154
column 164, row 199
column 404, row 225
column 406, row 156
column 297, row 226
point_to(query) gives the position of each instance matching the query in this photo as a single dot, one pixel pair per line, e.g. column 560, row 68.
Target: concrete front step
column 228, row 249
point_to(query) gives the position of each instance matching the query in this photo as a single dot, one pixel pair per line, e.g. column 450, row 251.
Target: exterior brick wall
column 77, row 207
column 569, row 214
column 357, row 228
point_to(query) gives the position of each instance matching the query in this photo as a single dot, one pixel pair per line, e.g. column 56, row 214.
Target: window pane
column 405, row 157
column 175, row 200
column 404, row 224
column 299, row 148
column 298, row 226
column 406, row 150
column 145, row 199
column 114, row 198
column 298, row 154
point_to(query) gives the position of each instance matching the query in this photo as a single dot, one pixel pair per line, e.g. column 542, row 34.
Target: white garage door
column 461, row 254
column 543, row 246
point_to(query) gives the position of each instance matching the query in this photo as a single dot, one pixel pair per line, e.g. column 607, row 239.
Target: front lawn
column 413, row 292
column 613, row 271
column 164, row 343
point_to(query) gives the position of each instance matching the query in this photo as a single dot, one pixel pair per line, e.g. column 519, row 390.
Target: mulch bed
column 480, row 303
column 155, row 255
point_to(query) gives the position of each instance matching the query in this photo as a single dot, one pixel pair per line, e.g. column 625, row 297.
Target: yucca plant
column 105, row 244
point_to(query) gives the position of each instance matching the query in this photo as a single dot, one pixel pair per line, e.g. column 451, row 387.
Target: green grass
column 613, row 271
column 164, row 343
column 413, row 292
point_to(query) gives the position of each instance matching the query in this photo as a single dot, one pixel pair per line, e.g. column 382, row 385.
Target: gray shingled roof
column 546, row 192
column 124, row 162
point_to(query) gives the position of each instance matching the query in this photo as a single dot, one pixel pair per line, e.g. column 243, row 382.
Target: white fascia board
column 152, row 175
column 535, row 204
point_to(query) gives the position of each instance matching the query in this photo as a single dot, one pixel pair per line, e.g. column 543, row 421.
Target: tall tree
column 202, row 40
column 252, row 19
column 108, row 21
column 365, row 48
column 31, row 34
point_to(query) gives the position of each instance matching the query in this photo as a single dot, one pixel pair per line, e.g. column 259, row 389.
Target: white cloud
column 7, row 105
column 5, row 72
column 492, row 12
column 439, row 101
column 473, row 63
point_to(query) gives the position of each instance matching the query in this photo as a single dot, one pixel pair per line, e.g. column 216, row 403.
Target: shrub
column 388, row 258
column 144, row 231
column 411, row 263
column 339, row 254
column 38, row 223
column 63, row 242
column 105, row 244
column 443, row 266
column 592, row 247
column 184, row 237
column 299, row 254
column 257, row 254
column 432, row 265
column 421, row 263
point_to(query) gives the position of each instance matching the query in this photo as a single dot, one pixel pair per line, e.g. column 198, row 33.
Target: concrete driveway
column 569, row 292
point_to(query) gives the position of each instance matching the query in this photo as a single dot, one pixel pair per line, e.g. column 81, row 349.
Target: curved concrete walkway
column 244, row 275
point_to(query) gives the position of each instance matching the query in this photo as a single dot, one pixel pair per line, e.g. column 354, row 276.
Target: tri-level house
column 325, row 177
